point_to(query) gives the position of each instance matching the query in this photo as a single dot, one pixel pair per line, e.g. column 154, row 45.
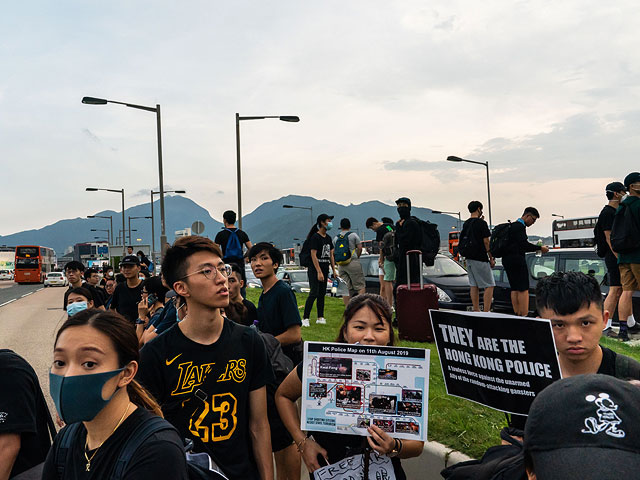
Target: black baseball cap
column 585, row 427
column 403, row 200
column 130, row 260
column 633, row 177
column 616, row 187
column 322, row 217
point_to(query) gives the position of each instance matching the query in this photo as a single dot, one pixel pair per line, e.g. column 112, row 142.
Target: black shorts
column 517, row 272
column 280, row 436
column 613, row 272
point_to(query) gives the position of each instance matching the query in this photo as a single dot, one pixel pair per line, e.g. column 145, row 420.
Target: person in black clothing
column 74, row 272
column 145, row 263
column 232, row 241
column 614, row 191
column 240, row 309
column 321, row 248
column 150, row 308
column 474, row 246
column 208, row 373
column 109, row 288
column 514, row 260
column 408, row 237
column 278, row 315
column 385, row 239
column 127, row 295
column 367, row 321
column 96, row 356
column 25, row 422
column 92, row 277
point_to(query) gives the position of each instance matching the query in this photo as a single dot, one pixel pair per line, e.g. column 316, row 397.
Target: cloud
column 413, row 165
column 220, row 192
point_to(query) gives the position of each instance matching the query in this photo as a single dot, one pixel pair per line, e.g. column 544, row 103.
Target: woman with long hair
column 95, row 360
column 321, row 250
column 367, row 320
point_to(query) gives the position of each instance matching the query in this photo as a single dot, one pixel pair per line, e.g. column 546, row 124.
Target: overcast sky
column 545, row 91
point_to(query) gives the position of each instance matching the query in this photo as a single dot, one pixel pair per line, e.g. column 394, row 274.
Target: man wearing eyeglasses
column 207, row 372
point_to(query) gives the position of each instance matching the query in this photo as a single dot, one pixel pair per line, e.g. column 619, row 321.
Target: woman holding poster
column 367, row 321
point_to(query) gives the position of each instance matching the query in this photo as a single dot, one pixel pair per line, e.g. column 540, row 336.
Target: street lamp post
column 124, row 237
column 133, row 218
column 153, row 228
column 121, row 191
column 109, row 233
column 284, row 118
column 450, row 213
column 303, row 208
column 110, row 217
column 156, row 110
column 486, row 164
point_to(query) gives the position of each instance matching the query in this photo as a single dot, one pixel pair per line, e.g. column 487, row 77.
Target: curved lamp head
column 91, row 189
column 287, row 206
column 454, row 159
column 94, row 101
column 289, row 118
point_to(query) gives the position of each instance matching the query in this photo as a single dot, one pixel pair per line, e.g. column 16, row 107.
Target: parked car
column 583, row 260
column 299, row 282
column 55, row 279
column 6, row 275
column 252, row 280
column 451, row 280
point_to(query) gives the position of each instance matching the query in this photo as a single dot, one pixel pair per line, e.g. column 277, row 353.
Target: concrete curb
column 434, row 458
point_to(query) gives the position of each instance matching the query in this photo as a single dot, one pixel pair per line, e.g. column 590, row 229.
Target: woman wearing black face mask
column 92, row 384
column 408, row 237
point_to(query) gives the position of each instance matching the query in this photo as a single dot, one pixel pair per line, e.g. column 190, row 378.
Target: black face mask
column 404, row 212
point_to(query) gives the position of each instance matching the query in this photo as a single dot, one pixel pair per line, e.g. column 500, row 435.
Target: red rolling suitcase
column 413, row 302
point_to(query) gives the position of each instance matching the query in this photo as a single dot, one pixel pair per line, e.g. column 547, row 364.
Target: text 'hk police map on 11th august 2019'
column 347, row 388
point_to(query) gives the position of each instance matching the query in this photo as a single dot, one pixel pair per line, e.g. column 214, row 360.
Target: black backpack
column 466, row 243
column 197, row 464
column 625, row 235
column 282, row 365
column 502, row 462
column 601, row 246
column 499, row 239
column 305, row 254
column 430, row 241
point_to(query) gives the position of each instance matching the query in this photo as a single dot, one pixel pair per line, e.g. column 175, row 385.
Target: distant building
column 7, row 257
column 183, row 233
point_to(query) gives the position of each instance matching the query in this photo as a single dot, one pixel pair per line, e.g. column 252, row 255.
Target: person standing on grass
column 385, row 237
column 240, row 309
column 367, row 321
column 233, row 241
column 321, row 249
column 514, row 261
column 474, row 240
column 351, row 271
column 629, row 262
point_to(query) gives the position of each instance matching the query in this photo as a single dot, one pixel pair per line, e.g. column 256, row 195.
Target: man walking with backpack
column 347, row 251
column 386, row 238
column 232, row 240
column 625, row 241
column 615, row 191
column 474, row 246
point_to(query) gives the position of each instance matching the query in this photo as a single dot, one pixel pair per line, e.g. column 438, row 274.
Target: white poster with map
column 346, row 388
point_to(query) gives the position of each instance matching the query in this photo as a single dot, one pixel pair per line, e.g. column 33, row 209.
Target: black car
column 448, row 276
column 583, row 260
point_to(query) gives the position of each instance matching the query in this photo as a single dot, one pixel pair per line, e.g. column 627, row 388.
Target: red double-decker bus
column 33, row 263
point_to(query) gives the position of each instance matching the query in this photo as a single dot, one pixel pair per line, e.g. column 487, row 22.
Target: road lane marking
column 7, row 303
column 27, row 294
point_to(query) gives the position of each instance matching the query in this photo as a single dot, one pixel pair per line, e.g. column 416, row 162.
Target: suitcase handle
column 419, row 252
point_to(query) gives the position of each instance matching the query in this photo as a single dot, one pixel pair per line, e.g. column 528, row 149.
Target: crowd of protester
column 144, row 361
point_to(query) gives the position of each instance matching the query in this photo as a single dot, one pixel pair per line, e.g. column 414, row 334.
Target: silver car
column 55, row 279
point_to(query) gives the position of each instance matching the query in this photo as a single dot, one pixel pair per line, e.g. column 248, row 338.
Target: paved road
column 11, row 291
column 28, row 326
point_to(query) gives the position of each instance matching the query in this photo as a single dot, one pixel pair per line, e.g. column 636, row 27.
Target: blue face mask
column 79, row 398
column 76, row 307
column 329, row 226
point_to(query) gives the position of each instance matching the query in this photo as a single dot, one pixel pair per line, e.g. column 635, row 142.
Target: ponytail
column 142, row 398
column 314, row 229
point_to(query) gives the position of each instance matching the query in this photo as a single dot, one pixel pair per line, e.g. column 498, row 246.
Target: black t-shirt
column 160, row 456
column 278, row 311
column 518, row 243
column 23, row 410
column 477, row 230
column 222, row 238
column 323, row 247
column 608, row 363
column 204, row 390
column 382, row 230
column 125, row 300
column 605, row 221
column 339, row 446
column 97, row 294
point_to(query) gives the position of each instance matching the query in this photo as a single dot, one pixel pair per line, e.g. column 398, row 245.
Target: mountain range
column 269, row 222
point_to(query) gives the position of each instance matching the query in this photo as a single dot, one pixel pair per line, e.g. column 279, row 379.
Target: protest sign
column 500, row 361
column 347, row 388
column 352, row 468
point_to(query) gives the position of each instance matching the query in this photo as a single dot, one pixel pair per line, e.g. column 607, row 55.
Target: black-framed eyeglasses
column 211, row 273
